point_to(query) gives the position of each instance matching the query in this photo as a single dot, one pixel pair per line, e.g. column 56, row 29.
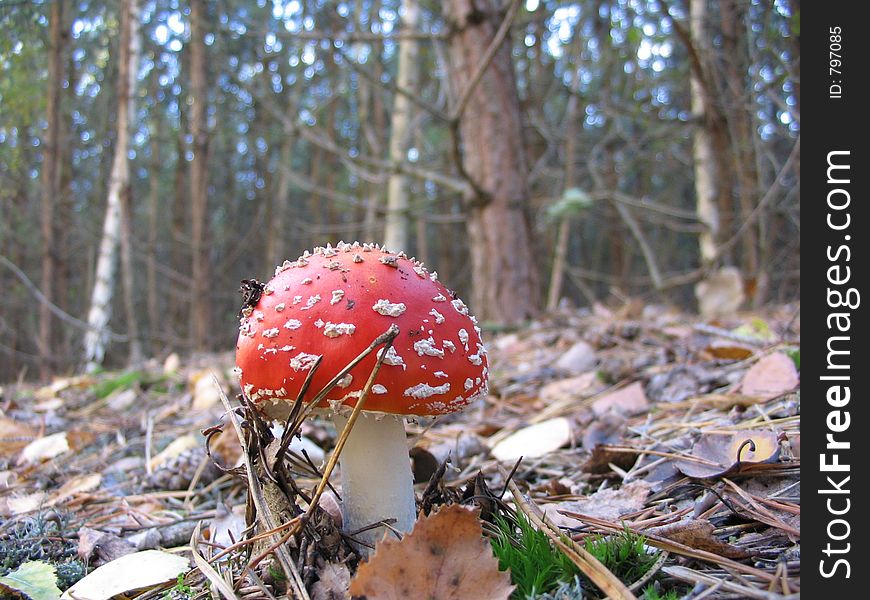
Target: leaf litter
column 683, row 431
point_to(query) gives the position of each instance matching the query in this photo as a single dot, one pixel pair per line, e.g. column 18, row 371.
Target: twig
column 206, row 569
column 690, row 575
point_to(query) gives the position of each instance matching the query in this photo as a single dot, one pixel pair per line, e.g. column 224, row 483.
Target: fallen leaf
column 227, row 526
column 572, row 387
column 19, row 505
column 44, row 448
column 171, row 364
column 175, row 448
column 608, row 504
column 535, row 440
column 14, row 436
column 131, row 572
column 770, row 377
column 334, row 579
column 101, row 546
column 444, row 557
column 630, row 400
column 698, row 535
column 76, row 485
column 729, row 351
column 37, row 579
column 722, row 455
column 206, row 393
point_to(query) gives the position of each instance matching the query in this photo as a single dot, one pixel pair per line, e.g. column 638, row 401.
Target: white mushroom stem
column 376, row 479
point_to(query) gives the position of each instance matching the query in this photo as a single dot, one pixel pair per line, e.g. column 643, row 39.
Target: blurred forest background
column 535, row 153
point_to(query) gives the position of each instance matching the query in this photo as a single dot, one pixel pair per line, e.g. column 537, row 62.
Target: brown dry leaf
column 729, row 351
column 602, row 456
column 609, row 504
column 770, row 377
column 206, row 393
column 572, row 387
column 444, row 557
column 630, row 400
column 44, row 448
column 14, row 436
column 175, row 448
column 722, row 455
column 105, row 547
column 76, row 485
column 698, row 535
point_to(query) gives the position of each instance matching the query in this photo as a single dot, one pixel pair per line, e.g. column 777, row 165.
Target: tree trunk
column 153, row 302
column 104, row 282
column 398, row 221
column 199, row 308
column 50, row 181
column 504, row 275
column 702, row 145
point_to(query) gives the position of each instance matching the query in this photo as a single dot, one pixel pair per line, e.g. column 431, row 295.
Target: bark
column 703, row 149
column 504, row 276
column 104, row 281
column 398, row 221
column 152, row 299
column 51, row 180
column 199, row 308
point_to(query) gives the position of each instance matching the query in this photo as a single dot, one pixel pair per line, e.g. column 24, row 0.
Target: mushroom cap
column 333, row 302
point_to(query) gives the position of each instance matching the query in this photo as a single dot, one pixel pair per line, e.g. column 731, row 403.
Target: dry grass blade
column 588, row 564
column 745, row 591
column 208, row 571
column 263, row 513
column 669, row 545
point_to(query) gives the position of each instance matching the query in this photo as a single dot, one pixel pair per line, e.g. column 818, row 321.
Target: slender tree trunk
column 152, row 298
column 51, row 181
column 199, row 309
column 703, row 149
column 504, row 274
column 104, row 282
column 398, row 221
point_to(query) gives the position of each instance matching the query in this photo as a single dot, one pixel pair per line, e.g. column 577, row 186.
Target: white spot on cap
column 258, row 314
column 297, row 299
column 303, row 361
column 345, row 381
column 424, row 390
column 293, row 324
column 439, row 318
column 449, row 345
column 463, row 338
column 460, row 307
column 388, row 309
column 311, row 301
column 270, row 333
column 392, row 358
column 469, row 383
column 287, row 348
column 333, row 330
column 337, row 295
column 439, row 298
column 419, row 270
column 357, row 258
column 378, row 389
column 441, row 374
column 319, row 323
column 428, row 348
column 306, row 281
column 390, row 261
column 280, row 307
column 475, row 359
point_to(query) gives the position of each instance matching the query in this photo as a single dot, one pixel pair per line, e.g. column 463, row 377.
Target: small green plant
column 180, row 591
column 624, row 554
column 122, row 381
column 651, row 593
column 536, row 567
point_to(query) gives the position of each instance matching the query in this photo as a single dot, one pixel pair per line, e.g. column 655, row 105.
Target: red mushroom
column 333, row 303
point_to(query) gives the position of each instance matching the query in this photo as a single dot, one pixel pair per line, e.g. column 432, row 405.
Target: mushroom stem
column 376, row 479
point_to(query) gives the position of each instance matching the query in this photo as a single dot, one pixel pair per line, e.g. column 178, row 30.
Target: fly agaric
column 332, row 303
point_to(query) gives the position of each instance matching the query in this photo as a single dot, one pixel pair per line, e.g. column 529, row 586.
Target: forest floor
column 633, row 421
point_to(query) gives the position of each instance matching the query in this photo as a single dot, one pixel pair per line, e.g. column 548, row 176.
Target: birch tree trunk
column 50, row 181
column 104, row 281
column 504, row 274
column 398, row 221
column 199, row 310
column 702, row 145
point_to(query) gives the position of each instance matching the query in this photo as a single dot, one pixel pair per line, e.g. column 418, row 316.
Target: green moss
column 536, row 567
column 624, row 554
